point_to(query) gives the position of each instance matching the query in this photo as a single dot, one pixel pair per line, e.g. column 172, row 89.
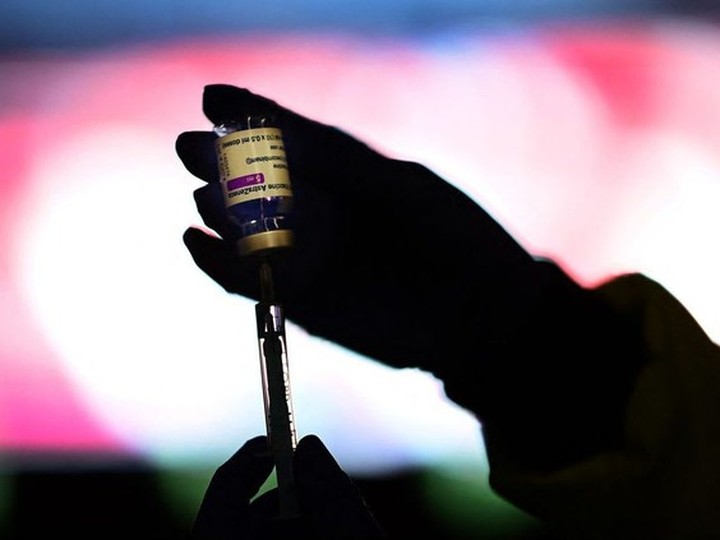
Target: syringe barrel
column 275, row 374
column 279, row 419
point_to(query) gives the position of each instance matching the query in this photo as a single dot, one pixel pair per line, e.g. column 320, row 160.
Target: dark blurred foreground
column 130, row 500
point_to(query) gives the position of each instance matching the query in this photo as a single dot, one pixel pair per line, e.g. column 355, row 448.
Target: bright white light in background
column 162, row 355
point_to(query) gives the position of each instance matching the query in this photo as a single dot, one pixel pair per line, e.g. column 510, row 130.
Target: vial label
column 253, row 165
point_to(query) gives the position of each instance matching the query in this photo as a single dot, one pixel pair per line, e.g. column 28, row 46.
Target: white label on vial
column 252, row 165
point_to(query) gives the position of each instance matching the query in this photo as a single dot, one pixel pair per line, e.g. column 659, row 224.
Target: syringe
column 258, row 197
column 279, row 419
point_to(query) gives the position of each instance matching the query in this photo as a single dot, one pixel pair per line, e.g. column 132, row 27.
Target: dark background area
column 127, row 501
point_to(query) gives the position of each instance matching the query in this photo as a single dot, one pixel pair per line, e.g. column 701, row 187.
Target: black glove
column 390, row 260
column 394, row 263
column 330, row 505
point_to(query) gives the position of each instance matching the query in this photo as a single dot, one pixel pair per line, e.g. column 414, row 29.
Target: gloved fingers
column 210, row 203
column 347, row 169
column 218, row 260
column 323, row 154
column 328, row 496
column 315, row 466
column 196, row 150
column 225, row 509
column 223, row 102
column 240, row 477
column 314, row 211
column 300, row 275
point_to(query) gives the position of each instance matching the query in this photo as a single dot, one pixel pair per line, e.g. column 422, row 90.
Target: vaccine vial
column 255, row 183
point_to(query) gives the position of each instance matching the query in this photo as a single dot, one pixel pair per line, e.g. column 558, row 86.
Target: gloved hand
column 390, row 260
column 330, row 505
column 396, row 264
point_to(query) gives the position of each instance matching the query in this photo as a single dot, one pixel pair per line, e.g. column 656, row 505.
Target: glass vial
column 255, row 183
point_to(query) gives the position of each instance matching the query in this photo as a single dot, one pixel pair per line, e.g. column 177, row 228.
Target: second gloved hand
column 331, row 507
